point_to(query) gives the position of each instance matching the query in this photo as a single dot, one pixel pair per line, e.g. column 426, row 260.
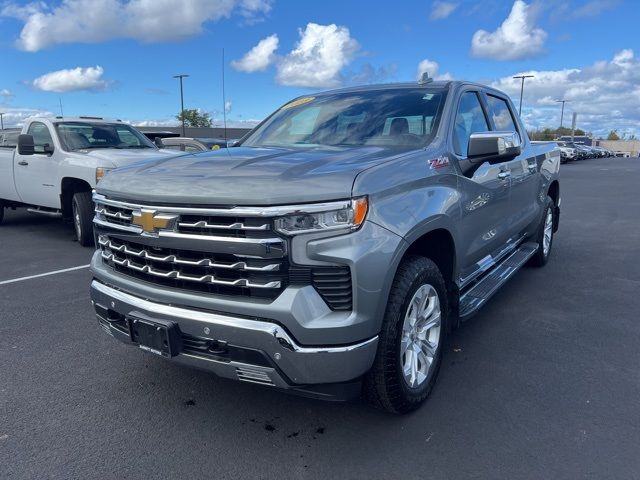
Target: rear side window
column 469, row 119
column 501, row 114
column 41, row 136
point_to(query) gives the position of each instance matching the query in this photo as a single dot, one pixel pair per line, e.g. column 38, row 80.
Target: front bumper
column 276, row 359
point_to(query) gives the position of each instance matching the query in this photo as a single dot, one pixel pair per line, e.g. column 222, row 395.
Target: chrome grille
column 121, row 216
column 214, row 273
column 230, row 251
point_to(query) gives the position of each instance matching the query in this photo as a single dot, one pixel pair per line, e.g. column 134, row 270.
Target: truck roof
column 434, row 84
column 60, row 118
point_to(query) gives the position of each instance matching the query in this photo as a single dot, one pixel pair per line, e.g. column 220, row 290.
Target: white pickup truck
column 54, row 164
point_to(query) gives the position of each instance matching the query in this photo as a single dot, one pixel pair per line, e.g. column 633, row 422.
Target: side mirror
column 158, row 141
column 493, row 147
column 25, row 144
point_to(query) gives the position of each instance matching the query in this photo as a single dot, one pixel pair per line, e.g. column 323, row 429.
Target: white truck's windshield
column 395, row 117
column 87, row 135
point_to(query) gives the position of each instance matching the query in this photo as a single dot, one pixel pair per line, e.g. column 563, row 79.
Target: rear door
column 36, row 175
column 484, row 190
column 524, row 169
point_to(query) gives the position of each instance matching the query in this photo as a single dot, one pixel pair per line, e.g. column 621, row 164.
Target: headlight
column 101, row 172
column 346, row 216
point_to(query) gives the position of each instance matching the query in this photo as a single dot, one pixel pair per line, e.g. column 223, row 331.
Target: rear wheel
column 411, row 340
column 544, row 236
column 82, row 207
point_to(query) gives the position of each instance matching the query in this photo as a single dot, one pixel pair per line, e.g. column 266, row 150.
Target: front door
column 36, row 175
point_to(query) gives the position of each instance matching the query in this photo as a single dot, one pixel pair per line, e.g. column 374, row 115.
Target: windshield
column 395, row 117
column 86, row 136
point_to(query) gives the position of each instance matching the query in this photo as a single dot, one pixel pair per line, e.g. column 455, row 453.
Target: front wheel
column 82, row 206
column 411, row 340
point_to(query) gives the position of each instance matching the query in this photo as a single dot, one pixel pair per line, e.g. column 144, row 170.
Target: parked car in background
column 333, row 249
column 583, row 151
column 185, row 144
column 56, row 162
column 567, row 153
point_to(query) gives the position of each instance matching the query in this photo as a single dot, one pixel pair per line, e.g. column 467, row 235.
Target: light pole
column 562, row 111
column 181, row 76
column 522, row 89
column 1, row 121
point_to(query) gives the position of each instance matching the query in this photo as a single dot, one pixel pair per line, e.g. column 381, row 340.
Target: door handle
column 504, row 174
column 22, row 162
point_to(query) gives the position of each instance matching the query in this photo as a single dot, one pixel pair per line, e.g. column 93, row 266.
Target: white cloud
column 516, row 38
column 259, row 57
column 73, row 79
column 15, row 116
column 93, row 21
column 442, row 10
column 5, row 93
column 318, row 58
column 606, row 95
column 228, row 106
column 433, row 69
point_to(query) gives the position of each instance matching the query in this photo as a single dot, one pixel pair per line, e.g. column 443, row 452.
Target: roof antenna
column 60, row 101
column 224, row 106
column 425, row 78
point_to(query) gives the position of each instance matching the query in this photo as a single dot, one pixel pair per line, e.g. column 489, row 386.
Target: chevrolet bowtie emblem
column 151, row 222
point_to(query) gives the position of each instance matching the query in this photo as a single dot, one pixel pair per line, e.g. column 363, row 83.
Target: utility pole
column 522, row 89
column 562, row 111
column 181, row 76
column 1, row 121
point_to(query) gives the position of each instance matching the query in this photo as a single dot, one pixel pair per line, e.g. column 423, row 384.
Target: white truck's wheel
column 83, row 218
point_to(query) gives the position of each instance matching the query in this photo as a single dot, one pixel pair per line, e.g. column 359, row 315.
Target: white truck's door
column 36, row 175
column 7, row 187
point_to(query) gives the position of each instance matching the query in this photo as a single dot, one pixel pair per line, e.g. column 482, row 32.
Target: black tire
column 82, row 212
column 1, row 213
column 540, row 258
column 385, row 386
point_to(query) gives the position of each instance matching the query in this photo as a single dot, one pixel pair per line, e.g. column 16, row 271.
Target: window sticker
column 298, row 102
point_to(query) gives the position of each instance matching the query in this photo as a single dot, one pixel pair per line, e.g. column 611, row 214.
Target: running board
column 46, row 213
column 483, row 290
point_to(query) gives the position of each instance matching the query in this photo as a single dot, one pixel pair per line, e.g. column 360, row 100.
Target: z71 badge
column 440, row 162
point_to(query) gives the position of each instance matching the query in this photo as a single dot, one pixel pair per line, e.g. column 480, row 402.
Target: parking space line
column 55, row 272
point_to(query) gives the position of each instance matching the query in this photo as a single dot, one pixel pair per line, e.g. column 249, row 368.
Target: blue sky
column 116, row 58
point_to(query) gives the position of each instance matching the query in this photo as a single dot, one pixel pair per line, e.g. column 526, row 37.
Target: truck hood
column 114, row 158
column 247, row 176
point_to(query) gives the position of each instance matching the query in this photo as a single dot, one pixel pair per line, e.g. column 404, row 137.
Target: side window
column 41, row 136
column 469, row 119
column 501, row 114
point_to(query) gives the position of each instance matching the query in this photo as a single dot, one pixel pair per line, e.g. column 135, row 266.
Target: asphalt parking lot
column 543, row 383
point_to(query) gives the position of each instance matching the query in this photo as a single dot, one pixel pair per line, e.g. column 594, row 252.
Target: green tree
column 194, row 117
column 613, row 135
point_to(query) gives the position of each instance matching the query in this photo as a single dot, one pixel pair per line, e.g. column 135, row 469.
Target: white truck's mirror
column 25, row 144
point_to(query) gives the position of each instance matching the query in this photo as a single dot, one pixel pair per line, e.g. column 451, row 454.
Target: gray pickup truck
column 331, row 251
